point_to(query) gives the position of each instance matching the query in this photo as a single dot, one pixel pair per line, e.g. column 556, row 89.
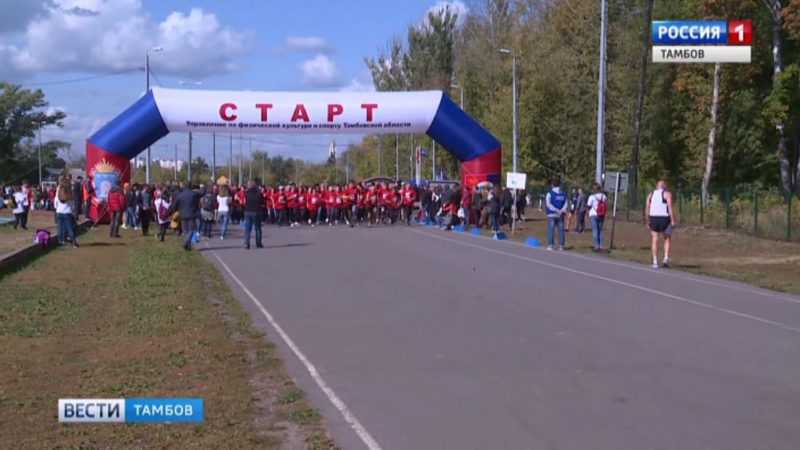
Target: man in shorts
column 660, row 219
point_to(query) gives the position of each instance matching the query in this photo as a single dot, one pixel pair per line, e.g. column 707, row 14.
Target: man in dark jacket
column 77, row 197
column 187, row 203
column 253, row 205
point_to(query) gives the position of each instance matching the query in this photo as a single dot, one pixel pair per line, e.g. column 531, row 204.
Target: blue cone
column 476, row 231
column 459, row 228
column 533, row 242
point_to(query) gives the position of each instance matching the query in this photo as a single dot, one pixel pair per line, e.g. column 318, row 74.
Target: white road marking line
column 679, row 275
column 349, row 417
column 621, row 283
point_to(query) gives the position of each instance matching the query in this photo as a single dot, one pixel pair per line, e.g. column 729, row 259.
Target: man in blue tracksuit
column 556, row 206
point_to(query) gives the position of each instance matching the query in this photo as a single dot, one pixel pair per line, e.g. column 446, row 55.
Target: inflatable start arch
column 160, row 111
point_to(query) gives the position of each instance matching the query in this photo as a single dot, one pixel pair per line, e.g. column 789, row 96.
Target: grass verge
column 735, row 256
column 133, row 317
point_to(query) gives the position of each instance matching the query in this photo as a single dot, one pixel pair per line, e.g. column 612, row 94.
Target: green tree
column 23, row 112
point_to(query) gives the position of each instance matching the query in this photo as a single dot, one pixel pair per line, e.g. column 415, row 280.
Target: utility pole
column 147, row 89
column 380, row 156
column 396, row 156
column 515, row 128
column 601, row 95
column 433, row 167
column 250, row 177
column 346, row 168
column 40, row 158
column 175, row 166
column 411, row 159
column 189, row 163
column 147, row 84
column 213, row 158
column 230, row 161
column 241, row 157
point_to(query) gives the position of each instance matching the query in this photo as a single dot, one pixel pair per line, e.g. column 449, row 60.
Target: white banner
column 297, row 112
column 516, row 180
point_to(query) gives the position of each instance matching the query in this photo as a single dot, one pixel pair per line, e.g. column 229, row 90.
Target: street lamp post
column 458, row 86
column 213, row 158
column 601, row 96
column 515, row 128
column 147, row 77
column 189, row 162
column 40, row 157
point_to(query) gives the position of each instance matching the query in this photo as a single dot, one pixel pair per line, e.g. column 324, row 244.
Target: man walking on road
column 187, row 203
column 660, row 220
column 556, row 206
column 252, row 214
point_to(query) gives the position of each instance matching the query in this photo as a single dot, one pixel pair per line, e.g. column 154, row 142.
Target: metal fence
column 765, row 213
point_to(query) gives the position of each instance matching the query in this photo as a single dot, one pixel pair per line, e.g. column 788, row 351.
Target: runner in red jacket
column 291, row 204
column 300, row 205
column 372, row 205
column 315, row 205
column 331, row 213
column 116, row 205
column 409, row 196
column 281, row 203
column 389, row 205
column 238, row 205
column 348, row 198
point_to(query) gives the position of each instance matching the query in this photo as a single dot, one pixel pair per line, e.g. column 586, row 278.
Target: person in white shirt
column 64, row 216
column 660, row 220
column 21, row 209
column 598, row 205
column 223, row 210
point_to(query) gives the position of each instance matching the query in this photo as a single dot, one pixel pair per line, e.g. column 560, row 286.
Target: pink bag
column 41, row 237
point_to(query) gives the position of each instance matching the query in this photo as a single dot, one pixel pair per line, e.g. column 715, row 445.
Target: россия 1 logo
column 702, row 41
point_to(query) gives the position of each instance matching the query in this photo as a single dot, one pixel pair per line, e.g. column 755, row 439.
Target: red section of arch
column 97, row 156
column 486, row 167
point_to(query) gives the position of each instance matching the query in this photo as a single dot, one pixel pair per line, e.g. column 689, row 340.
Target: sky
column 88, row 56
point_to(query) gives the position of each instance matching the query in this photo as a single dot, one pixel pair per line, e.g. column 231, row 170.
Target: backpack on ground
column 602, row 207
column 41, row 237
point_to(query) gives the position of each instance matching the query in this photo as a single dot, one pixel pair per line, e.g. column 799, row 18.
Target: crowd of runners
column 193, row 211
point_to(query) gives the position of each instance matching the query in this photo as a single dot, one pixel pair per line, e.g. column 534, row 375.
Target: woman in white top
column 598, row 205
column 223, row 210
column 660, row 220
column 64, row 217
column 20, row 208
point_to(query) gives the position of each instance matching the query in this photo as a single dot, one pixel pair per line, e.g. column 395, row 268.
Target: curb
column 11, row 261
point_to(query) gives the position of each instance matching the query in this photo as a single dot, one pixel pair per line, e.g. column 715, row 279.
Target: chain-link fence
column 764, row 213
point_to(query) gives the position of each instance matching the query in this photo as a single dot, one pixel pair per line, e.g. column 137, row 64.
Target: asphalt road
column 414, row 338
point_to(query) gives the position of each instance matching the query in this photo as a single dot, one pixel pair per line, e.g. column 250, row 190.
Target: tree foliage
column 557, row 46
column 23, row 112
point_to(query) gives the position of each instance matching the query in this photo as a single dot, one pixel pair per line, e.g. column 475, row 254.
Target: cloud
column 77, row 128
column 455, row 7
column 16, row 14
column 362, row 83
column 320, row 71
column 100, row 36
column 308, row 44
